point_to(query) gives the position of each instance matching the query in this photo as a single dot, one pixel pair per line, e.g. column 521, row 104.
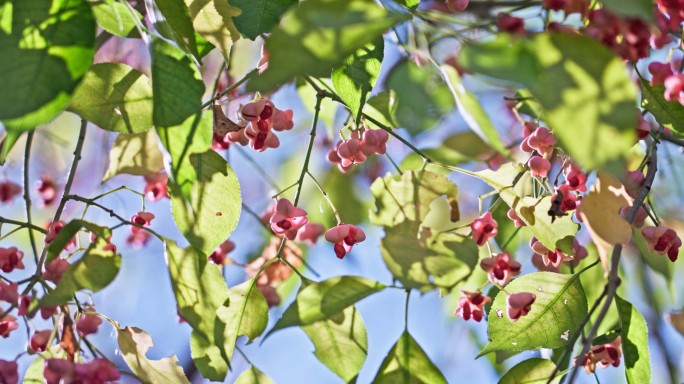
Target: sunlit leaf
column 456, row 149
column 115, row 97
column 246, row 314
column 408, row 363
column 200, row 291
column 588, row 100
column 47, row 48
column 422, row 99
column 408, row 196
column 318, row 35
column 95, row 270
column 213, row 20
column 68, row 232
column 177, row 15
column 134, row 344
column 135, row 154
column 341, row 343
column 355, row 78
column 320, row 301
column 471, row 110
column 531, row 371
column 382, row 107
column 253, row 376
column 7, row 144
column 212, row 212
column 259, row 16
column 191, row 137
column 117, row 18
column 177, row 85
column 556, row 314
column 511, row 183
column 34, row 373
column 427, row 260
column 634, row 343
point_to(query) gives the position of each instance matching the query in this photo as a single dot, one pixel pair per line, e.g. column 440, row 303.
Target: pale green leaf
column 47, row 48
column 200, row 291
column 355, row 78
column 531, row 371
column 177, row 15
column 555, row 317
column 471, row 111
column 318, row 35
column 422, row 99
column 634, row 334
column 211, row 213
column 7, row 144
column 95, row 270
column 117, row 18
column 407, row 363
column 511, row 181
column 253, row 376
column 259, row 16
column 134, row 344
column 68, row 232
column 426, row 260
column 246, row 314
column 320, row 301
column 456, row 149
column 328, row 107
column 135, row 154
column 382, row 107
column 341, row 343
column 408, row 196
column 193, row 136
column 177, row 85
column 115, row 97
column 213, row 20
column 34, row 373
column 588, row 100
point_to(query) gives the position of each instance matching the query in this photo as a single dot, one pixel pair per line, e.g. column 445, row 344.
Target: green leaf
column 668, row 113
column 642, row 9
column 7, row 144
column 471, row 110
column 34, row 373
column 136, row 154
column 134, row 344
column 408, row 363
column 211, row 213
column 213, row 20
column 341, row 343
column 320, row 301
column 253, row 376
column 177, row 15
column 511, row 181
column 319, row 35
column 588, row 100
column 259, row 16
column 508, row 236
column 47, row 48
column 116, row 18
column 95, row 270
column 456, row 149
column 68, row 232
column 408, row 196
column 439, row 259
column 422, row 98
column 355, row 78
column 193, row 136
column 658, row 263
column 200, row 291
column 634, row 343
column 382, row 107
column 413, row 4
column 531, row 371
column 115, row 97
column 245, row 315
column 328, row 107
column 556, row 314
column 177, row 85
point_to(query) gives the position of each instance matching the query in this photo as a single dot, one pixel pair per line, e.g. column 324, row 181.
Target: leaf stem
column 27, row 195
column 226, row 91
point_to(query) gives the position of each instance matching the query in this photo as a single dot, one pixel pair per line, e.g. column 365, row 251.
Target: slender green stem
column 327, row 198
column 226, row 91
column 21, row 224
column 258, row 168
column 312, row 136
column 27, row 194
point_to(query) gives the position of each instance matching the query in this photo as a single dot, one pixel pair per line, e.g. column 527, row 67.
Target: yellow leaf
column 135, row 154
column 600, row 212
column 214, row 21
